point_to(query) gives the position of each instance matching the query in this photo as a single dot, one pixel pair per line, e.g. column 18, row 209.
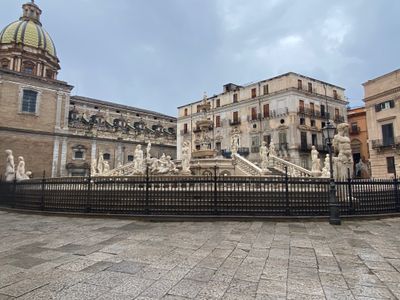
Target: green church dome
column 28, row 31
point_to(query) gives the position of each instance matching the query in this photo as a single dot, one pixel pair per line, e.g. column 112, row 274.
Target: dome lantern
column 31, row 12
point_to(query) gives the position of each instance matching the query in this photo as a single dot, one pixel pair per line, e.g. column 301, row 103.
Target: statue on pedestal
column 106, row 167
column 21, row 174
column 272, row 150
column 100, row 164
column 10, row 167
column 315, row 162
column 186, row 158
column 264, row 158
column 148, row 155
column 344, row 160
column 326, row 170
column 235, row 143
column 93, row 167
column 138, row 164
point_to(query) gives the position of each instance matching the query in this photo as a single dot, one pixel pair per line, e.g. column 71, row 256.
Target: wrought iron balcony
column 339, row 119
column 354, row 130
column 392, row 142
column 254, row 118
column 234, row 122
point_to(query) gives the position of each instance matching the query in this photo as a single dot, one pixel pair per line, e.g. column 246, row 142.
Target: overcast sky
column 160, row 54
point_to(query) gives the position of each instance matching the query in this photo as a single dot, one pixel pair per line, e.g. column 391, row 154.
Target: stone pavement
column 44, row 257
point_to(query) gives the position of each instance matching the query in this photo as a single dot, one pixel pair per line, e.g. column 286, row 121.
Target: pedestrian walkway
column 52, row 257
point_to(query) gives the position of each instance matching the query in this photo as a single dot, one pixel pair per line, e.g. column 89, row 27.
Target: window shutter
column 377, row 107
column 391, row 103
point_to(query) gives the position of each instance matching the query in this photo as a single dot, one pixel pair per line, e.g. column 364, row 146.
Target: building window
column 312, row 109
column 28, row 67
column 217, row 121
column 106, row 156
column 336, row 113
column 303, row 140
column 312, row 123
column 314, row 139
column 354, row 127
column 322, row 110
column 130, row 158
column 253, row 93
column 299, row 84
column 302, row 121
column 254, row 113
column 266, row 110
column 235, row 117
column 322, row 124
column 217, row 103
column 218, row 146
column 78, row 154
column 384, row 105
column 29, row 100
column 387, row 134
column 310, row 87
column 335, row 95
column 235, row 98
column 198, row 108
column 266, row 89
column 267, row 139
column 390, row 164
column 185, row 113
column 5, row 63
column 301, row 105
column 185, row 128
column 49, row 74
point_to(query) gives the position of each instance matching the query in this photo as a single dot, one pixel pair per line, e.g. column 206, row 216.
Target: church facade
column 55, row 132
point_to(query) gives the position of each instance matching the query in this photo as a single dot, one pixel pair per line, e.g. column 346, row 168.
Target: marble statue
column 148, row 155
column 138, row 163
column 10, row 167
column 171, row 165
column 235, row 143
column 163, row 166
column 154, row 165
column 93, row 167
column 326, row 170
column 264, row 158
column 344, row 159
column 272, row 150
column 21, row 174
column 186, row 158
column 100, row 164
column 315, row 162
column 106, row 167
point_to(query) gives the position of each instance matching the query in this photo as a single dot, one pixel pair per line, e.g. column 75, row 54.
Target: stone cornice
column 383, row 94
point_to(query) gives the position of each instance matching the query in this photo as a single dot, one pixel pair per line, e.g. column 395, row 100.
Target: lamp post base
column 335, row 221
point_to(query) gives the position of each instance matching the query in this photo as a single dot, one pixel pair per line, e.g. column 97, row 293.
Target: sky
column 161, row 54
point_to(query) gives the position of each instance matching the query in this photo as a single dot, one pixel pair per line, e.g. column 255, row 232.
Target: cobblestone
column 52, row 257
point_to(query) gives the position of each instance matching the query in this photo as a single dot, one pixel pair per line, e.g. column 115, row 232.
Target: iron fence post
column 351, row 207
column 43, row 189
column 287, row 191
column 14, row 203
column 215, row 191
column 89, row 193
column 396, row 193
column 147, row 210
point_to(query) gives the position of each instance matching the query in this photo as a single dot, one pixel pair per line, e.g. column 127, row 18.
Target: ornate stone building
column 54, row 131
column 381, row 97
column 289, row 110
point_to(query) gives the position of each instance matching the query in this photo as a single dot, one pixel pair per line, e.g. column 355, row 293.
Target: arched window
column 5, row 63
column 29, row 100
column 28, row 67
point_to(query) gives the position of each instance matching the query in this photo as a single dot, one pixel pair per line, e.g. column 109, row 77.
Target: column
column 66, row 111
column 58, row 110
column 55, row 156
column 63, row 163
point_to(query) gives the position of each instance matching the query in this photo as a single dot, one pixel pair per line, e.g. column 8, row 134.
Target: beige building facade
column 288, row 110
column 55, row 132
column 381, row 97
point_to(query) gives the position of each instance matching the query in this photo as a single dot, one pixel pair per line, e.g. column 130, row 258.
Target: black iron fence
column 201, row 195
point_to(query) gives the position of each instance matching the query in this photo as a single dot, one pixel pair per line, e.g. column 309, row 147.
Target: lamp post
column 334, row 214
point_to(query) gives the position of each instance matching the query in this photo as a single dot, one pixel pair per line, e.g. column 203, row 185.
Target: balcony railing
column 254, row 118
column 234, row 122
column 312, row 113
column 339, row 119
column 386, row 143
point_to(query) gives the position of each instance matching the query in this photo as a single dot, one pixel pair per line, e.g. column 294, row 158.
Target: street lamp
column 334, row 215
